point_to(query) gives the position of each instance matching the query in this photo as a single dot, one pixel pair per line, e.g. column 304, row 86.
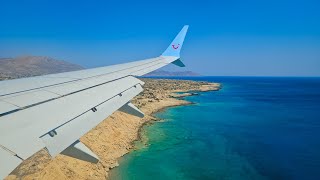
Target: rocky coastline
column 113, row 137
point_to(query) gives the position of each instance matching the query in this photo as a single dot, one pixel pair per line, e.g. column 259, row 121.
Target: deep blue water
column 253, row 128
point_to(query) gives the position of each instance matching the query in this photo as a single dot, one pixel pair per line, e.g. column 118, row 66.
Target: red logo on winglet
column 175, row 47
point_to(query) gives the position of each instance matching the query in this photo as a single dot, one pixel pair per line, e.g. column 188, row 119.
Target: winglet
column 175, row 46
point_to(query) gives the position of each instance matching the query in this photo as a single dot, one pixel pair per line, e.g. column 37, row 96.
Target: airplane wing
column 54, row 111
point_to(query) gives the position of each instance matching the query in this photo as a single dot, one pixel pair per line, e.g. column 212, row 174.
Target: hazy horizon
column 274, row 38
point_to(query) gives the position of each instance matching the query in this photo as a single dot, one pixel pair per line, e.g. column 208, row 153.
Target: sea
column 253, row 128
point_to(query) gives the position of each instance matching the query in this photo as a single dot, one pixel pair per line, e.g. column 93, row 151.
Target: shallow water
column 253, row 128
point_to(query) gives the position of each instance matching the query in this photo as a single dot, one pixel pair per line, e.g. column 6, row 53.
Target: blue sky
column 246, row 38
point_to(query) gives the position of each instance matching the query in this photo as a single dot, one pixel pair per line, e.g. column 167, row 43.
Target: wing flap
column 66, row 134
column 26, row 126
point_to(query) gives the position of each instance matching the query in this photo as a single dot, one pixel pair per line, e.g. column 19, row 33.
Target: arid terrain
column 163, row 73
column 112, row 138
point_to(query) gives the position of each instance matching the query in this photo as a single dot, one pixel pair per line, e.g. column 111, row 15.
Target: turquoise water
column 254, row 128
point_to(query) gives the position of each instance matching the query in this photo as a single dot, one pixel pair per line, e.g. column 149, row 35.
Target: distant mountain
column 11, row 68
column 170, row 73
column 27, row 66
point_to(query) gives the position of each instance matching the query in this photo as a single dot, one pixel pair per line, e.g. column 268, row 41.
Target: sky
column 225, row 38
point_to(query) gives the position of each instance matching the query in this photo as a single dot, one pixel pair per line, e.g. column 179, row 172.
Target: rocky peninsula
column 113, row 137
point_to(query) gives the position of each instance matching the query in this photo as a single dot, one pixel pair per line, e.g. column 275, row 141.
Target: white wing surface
column 54, row 111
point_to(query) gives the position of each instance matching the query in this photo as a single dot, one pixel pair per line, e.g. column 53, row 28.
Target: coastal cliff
column 113, row 137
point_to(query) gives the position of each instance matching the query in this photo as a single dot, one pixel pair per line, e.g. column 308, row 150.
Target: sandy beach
column 114, row 137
